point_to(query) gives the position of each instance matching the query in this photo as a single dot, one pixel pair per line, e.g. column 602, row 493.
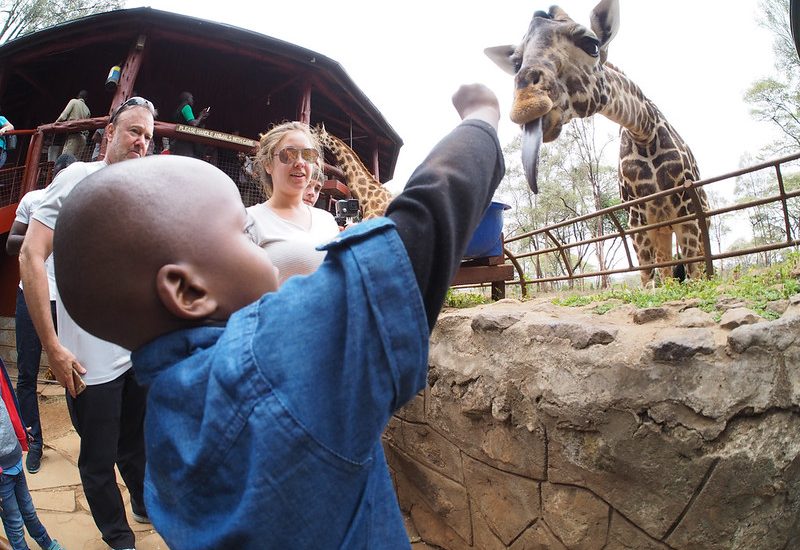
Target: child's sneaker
column 55, row 545
column 33, row 462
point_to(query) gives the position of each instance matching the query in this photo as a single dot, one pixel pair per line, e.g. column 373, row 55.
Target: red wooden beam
column 68, row 44
column 32, row 163
column 305, row 104
column 129, row 72
column 288, row 64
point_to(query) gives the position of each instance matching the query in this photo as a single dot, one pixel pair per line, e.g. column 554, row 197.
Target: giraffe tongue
column 531, row 141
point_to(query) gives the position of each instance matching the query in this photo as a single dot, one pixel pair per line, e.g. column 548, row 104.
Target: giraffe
column 560, row 73
column 371, row 195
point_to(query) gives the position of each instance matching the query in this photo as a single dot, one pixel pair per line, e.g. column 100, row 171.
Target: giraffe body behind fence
column 372, row 196
column 560, row 73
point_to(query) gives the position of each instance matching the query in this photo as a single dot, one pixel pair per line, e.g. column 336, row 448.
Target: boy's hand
column 477, row 101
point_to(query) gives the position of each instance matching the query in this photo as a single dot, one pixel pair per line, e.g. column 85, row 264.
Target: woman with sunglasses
column 286, row 227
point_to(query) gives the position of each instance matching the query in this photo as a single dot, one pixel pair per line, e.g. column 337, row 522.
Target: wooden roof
column 250, row 80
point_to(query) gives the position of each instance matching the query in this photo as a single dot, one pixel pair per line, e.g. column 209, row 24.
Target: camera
column 347, row 211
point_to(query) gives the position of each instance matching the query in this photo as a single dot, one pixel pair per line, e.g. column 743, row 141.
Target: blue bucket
column 487, row 240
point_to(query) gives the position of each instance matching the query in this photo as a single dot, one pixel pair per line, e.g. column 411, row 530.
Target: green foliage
column 19, row 17
column 574, row 180
column 756, row 287
column 461, row 299
column 778, row 103
column 776, row 100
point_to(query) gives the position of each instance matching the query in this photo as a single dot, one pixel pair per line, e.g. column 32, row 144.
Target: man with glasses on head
column 109, row 413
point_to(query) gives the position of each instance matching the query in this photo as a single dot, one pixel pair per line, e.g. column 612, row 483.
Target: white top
column 102, row 360
column 27, row 205
column 291, row 248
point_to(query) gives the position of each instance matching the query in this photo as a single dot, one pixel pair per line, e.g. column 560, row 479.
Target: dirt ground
column 53, row 412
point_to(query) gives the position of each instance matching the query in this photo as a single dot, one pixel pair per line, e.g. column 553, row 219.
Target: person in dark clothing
column 29, row 347
column 243, row 416
column 184, row 114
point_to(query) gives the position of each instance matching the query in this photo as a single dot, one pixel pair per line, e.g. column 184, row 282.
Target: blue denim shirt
column 266, row 433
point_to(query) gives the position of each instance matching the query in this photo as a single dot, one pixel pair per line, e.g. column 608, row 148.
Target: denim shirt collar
column 155, row 357
column 163, row 352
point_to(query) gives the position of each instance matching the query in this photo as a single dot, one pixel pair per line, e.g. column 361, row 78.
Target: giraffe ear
column 501, row 55
column 605, row 24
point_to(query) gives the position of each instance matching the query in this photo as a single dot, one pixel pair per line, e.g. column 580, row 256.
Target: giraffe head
column 558, row 74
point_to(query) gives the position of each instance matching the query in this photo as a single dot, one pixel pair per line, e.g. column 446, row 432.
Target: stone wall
column 8, row 346
column 546, row 427
column 8, row 342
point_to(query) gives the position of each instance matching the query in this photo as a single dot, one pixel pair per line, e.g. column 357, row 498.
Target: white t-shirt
column 291, row 248
column 27, row 205
column 102, row 360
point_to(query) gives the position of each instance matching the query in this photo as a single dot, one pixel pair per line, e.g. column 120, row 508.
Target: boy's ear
column 183, row 293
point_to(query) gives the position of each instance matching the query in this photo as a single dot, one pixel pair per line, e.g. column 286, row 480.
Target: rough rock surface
column 549, row 427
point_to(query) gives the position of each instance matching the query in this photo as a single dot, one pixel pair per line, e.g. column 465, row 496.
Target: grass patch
column 756, row 287
column 462, row 299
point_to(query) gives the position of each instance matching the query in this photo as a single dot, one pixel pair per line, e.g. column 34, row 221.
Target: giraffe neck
column 352, row 166
column 628, row 106
column 372, row 197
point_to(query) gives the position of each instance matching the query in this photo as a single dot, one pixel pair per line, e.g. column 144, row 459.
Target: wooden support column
column 376, row 164
column 31, row 174
column 305, row 104
column 129, row 72
column 3, row 78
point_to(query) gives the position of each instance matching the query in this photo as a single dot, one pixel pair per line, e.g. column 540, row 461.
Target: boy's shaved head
column 147, row 247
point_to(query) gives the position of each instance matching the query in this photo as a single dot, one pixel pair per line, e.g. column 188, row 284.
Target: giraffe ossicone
column 372, row 196
column 560, row 73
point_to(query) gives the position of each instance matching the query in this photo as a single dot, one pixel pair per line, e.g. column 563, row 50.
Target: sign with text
column 213, row 134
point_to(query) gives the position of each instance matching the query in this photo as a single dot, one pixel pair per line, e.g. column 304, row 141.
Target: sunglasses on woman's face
column 289, row 155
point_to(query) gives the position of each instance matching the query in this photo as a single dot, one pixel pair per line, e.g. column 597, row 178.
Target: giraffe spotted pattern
column 560, row 73
column 372, row 196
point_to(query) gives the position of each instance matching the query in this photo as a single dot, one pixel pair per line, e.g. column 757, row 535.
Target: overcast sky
column 693, row 58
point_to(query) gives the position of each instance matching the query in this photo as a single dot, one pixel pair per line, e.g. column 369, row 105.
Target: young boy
column 16, row 506
column 254, row 438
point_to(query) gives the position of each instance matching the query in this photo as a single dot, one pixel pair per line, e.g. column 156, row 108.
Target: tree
column 602, row 182
column 20, row 17
column 767, row 221
column 778, row 103
column 776, row 100
column 719, row 226
column 775, row 18
column 573, row 180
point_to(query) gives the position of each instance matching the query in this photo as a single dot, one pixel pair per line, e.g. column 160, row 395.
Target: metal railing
column 560, row 249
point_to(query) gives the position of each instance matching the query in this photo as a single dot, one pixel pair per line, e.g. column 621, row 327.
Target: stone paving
column 59, row 499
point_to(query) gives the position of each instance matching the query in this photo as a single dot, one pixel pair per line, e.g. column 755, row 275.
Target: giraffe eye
column 590, row 45
column 517, row 63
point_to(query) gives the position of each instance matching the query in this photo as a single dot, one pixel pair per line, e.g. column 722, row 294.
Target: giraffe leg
column 662, row 245
column 642, row 245
column 690, row 245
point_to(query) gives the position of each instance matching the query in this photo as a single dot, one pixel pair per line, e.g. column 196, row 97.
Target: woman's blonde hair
column 268, row 144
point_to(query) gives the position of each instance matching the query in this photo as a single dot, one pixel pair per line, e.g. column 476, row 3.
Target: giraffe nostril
column 529, row 77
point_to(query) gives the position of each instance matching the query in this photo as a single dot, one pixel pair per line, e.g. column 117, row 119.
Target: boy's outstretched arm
column 448, row 193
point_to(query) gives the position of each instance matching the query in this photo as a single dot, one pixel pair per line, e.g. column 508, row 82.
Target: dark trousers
column 29, row 353
column 110, row 420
